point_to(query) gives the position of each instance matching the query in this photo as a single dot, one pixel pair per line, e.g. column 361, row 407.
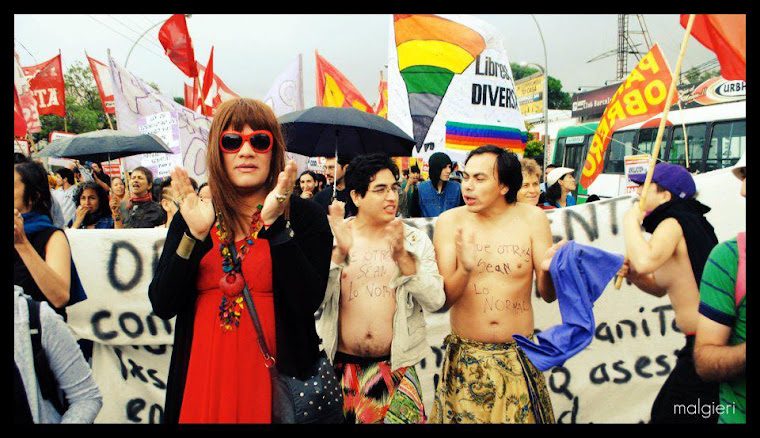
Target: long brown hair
column 235, row 114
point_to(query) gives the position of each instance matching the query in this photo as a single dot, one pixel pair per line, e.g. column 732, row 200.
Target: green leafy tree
column 558, row 99
column 534, row 149
column 180, row 100
column 84, row 110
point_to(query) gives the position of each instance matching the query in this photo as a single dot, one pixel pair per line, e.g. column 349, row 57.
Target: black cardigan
column 300, row 267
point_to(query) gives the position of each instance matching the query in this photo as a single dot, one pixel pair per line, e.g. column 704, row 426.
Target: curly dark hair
column 508, row 168
column 361, row 172
column 104, row 208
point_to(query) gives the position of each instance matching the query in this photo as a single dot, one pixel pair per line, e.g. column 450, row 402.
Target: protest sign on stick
column 661, row 130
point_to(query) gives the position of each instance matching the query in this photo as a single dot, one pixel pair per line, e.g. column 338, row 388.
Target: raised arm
column 647, row 256
column 53, row 274
column 187, row 241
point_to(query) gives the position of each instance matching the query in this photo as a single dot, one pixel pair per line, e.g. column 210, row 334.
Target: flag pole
column 200, row 91
column 661, row 129
column 65, row 128
column 685, row 137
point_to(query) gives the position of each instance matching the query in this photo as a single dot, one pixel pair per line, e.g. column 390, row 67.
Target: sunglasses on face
column 232, row 141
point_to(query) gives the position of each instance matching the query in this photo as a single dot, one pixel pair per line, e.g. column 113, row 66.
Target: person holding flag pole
column 671, row 262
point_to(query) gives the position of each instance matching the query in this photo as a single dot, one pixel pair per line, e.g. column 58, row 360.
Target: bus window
column 696, row 140
column 647, row 139
column 575, row 152
column 621, row 145
column 726, row 144
column 559, row 150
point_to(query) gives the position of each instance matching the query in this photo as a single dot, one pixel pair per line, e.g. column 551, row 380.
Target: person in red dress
column 282, row 252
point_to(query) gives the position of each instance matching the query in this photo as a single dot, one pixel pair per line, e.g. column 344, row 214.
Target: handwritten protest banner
column 165, row 125
column 615, row 379
column 134, row 99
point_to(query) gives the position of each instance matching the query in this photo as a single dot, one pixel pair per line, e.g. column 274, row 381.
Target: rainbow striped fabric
column 469, row 136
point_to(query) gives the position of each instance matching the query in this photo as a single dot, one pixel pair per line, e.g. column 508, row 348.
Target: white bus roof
column 708, row 113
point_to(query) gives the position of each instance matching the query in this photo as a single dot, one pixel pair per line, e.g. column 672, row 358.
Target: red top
column 227, row 381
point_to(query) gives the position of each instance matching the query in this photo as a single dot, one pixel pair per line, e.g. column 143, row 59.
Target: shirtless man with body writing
column 383, row 274
column 488, row 275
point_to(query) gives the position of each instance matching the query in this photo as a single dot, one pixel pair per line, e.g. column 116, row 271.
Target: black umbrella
column 329, row 132
column 104, row 145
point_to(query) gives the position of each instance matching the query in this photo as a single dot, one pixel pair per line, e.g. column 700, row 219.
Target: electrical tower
column 626, row 45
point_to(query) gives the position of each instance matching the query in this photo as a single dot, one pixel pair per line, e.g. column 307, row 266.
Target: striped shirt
column 717, row 302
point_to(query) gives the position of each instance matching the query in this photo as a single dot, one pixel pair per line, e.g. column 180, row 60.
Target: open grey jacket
column 423, row 290
column 66, row 361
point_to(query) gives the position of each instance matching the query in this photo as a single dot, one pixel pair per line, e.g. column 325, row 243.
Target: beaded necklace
column 231, row 284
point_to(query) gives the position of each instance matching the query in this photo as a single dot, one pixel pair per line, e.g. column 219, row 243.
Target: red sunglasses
column 232, row 141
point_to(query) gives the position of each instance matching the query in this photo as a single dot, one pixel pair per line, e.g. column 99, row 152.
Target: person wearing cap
column 671, row 263
column 560, row 184
column 438, row 193
column 549, row 168
column 720, row 350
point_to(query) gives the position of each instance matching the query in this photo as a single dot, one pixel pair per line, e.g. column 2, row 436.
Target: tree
column 535, row 149
column 558, row 99
column 180, row 100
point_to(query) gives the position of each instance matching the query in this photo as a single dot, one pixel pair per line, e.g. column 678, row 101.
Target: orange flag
column 640, row 97
column 726, row 35
column 333, row 89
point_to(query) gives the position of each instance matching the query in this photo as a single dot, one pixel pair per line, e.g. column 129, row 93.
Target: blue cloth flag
column 580, row 273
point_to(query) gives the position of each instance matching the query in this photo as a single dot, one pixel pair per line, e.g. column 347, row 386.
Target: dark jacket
column 697, row 231
column 324, row 198
column 147, row 214
column 300, row 267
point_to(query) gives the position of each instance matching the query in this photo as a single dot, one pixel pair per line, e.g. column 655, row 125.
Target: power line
column 130, row 39
column 139, row 34
column 27, row 50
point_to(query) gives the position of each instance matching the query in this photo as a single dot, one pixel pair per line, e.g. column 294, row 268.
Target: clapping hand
column 341, row 231
column 278, row 199
column 465, row 250
column 198, row 213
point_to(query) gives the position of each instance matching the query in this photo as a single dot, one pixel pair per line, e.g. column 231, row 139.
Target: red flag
column 46, row 81
column 188, row 96
column 208, row 78
column 175, row 40
column 19, row 123
column 333, row 89
column 102, row 75
column 726, row 35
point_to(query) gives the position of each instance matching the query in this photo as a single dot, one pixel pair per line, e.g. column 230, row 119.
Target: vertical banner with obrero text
column 450, row 85
column 641, row 96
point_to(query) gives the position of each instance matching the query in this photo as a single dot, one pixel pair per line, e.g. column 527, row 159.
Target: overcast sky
column 250, row 51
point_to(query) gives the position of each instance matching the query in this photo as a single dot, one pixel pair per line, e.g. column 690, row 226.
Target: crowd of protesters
column 313, row 224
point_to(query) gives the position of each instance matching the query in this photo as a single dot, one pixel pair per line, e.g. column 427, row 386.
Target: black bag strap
column 269, row 361
column 45, row 378
column 35, row 328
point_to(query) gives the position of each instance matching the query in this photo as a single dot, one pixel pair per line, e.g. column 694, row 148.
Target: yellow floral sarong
column 489, row 383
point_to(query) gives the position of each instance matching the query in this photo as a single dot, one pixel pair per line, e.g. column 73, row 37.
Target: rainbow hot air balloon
column 431, row 50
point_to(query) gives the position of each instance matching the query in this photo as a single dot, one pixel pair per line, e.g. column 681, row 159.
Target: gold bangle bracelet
column 186, row 246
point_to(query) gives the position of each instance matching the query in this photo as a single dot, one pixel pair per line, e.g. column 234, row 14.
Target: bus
column 716, row 136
